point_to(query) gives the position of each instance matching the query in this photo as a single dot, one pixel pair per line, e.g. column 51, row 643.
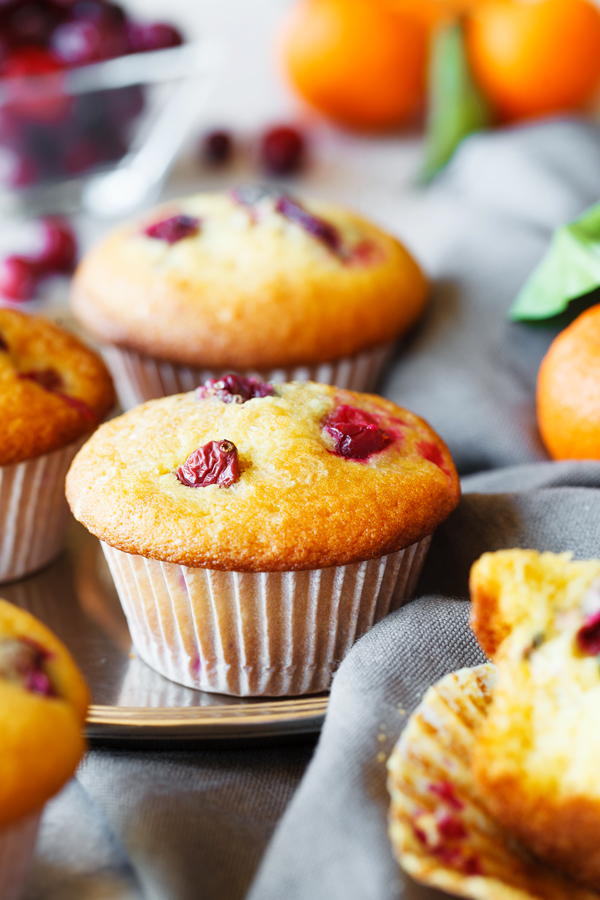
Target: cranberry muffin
column 250, row 281
column 262, row 528
column 53, row 392
column 43, row 703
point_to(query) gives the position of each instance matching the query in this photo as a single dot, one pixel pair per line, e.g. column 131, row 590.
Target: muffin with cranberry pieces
column 53, row 392
column 43, row 703
column 252, row 281
column 262, row 528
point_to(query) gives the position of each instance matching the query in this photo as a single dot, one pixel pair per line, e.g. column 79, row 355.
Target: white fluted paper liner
column 257, row 634
column 139, row 378
column 17, row 843
column 33, row 511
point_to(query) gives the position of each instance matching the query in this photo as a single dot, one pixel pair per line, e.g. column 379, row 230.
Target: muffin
column 53, row 392
column 536, row 760
column 249, row 281
column 43, row 703
column 441, row 831
column 261, row 529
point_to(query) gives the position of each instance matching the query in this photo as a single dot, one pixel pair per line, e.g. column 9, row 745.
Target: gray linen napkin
column 332, row 842
column 196, row 824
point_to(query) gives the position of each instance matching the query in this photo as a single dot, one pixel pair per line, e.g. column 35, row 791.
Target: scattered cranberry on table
column 216, row 148
column 55, row 254
column 18, row 278
column 282, row 150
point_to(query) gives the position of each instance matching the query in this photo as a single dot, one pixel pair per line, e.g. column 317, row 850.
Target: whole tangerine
column 359, row 62
column 535, row 57
column 568, row 390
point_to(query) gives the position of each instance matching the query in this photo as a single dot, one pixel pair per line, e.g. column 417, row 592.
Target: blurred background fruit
column 535, row 57
column 282, row 150
column 568, row 391
column 360, row 62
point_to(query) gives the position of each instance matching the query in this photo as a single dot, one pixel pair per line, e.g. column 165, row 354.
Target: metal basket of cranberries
column 75, row 86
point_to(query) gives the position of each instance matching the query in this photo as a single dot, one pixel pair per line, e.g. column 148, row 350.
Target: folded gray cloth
column 196, row 824
column 332, row 842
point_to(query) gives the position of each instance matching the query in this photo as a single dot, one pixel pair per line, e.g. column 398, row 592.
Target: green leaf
column 570, row 269
column 456, row 106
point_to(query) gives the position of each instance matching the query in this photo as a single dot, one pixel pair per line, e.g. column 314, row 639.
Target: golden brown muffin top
column 295, row 503
column 43, row 703
column 250, row 285
column 53, row 389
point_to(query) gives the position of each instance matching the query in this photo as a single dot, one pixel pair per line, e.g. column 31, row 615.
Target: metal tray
column 132, row 703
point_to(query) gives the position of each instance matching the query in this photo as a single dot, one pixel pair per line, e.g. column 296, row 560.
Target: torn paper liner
column 440, row 830
column 33, row 512
column 257, row 633
column 139, row 378
column 17, row 843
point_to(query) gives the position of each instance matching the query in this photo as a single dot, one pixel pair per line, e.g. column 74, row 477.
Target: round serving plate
column 132, row 703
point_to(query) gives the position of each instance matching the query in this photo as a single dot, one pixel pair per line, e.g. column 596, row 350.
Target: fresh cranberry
column 22, row 661
column 216, row 148
column 282, row 150
column 18, row 278
column 58, row 250
column 49, row 379
column 215, row 463
column 234, row 389
column 446, row 792
column 588, row 636
column 155, row 36
column 29, row 60
column 356, row 433
column 30, row 23
column 174, row 229
column 81, row 41
column 318, row 228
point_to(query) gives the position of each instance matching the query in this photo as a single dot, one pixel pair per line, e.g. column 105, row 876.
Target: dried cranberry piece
column 251, row 194
column 18, row 278
column 3, row 345
column 318, row 228
column 234, row 389
column 215, row 463
column 282, row 150
column 450, row 826
column 49, row 379
column 80, row 405
column 588, row 636
column 58, row 250
column 22, row 661
column 446, row 791
column 174, row 229
column 356, row 433
column 154, row 36
column 216, row 148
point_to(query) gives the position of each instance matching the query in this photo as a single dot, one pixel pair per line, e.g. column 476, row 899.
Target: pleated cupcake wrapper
column 257, row 634
column 140, row 378
column 33, row 511
column 17, row 843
